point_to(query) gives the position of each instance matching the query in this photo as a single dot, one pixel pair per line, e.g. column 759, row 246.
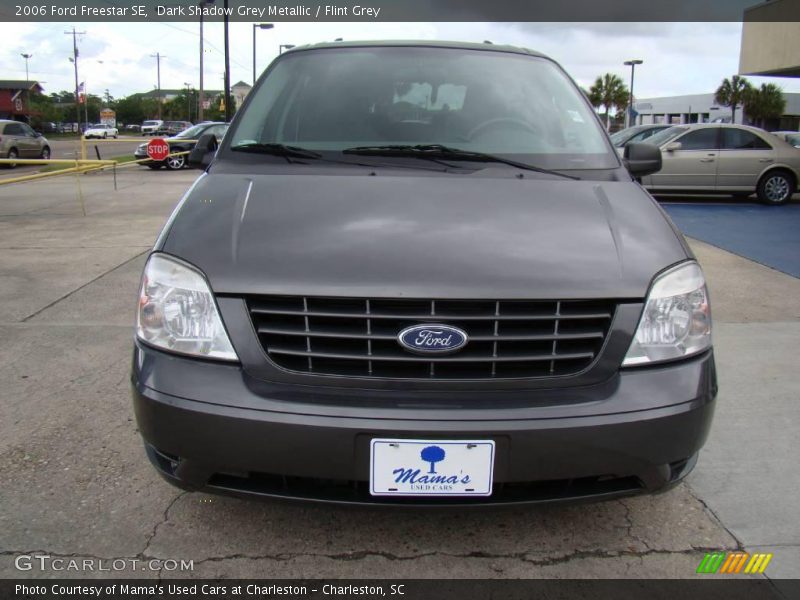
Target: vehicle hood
column 421, row 237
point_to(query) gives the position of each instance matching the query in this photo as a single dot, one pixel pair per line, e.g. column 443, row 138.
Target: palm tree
column 766, row 102
column 609, row 91
column 732, row 92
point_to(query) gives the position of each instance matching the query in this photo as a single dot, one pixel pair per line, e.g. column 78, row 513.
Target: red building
column 15, row 98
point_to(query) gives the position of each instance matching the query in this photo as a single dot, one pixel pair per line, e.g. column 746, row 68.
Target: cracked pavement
column 77, row 485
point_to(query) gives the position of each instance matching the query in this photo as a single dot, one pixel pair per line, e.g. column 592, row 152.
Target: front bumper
column 639, row 432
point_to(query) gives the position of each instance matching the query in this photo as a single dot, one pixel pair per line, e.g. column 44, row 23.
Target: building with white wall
column 701, row 108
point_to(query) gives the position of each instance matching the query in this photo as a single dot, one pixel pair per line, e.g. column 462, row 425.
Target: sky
column 679, row 58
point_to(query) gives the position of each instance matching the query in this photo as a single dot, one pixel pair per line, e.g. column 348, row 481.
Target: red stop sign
column 157, row 149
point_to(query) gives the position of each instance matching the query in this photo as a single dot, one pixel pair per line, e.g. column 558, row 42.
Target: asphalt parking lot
column 70, row 148
column 76, row 483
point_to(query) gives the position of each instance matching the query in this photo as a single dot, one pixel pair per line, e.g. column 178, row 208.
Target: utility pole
column 27, row 57
column 200, row 97
column 227, row 91
column 158, row 56
column 75, row 35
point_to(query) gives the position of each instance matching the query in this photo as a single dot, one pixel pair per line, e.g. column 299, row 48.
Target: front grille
column 358, row 336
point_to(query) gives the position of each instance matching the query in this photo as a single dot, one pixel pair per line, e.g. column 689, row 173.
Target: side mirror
column 672, row 146
column 642, row 159
column 203, row 152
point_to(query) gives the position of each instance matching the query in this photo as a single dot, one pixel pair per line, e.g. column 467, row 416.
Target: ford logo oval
column 432, row 338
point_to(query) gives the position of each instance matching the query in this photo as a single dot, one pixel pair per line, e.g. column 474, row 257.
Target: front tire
column 176, row 163
column 775, row 188
column 45, row 153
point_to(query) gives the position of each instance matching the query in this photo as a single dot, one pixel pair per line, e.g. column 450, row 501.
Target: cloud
column 679, row 58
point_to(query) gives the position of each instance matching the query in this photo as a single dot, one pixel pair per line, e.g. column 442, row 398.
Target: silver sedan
column 725, row 158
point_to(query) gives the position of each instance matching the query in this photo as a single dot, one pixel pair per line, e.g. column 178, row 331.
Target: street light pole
column 27, row 57
column 258, row 26
column 632, row 64
column 188, row 100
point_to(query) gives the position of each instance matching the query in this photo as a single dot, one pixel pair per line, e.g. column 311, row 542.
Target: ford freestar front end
column 418, row 273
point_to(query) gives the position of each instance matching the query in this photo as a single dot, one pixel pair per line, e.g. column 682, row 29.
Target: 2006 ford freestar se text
column 418, row 273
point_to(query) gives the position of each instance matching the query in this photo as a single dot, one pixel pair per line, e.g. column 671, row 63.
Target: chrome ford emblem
column 432, row 338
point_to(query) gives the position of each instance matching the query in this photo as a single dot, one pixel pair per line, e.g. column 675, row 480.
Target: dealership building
column 701, row 108
column 770, row 48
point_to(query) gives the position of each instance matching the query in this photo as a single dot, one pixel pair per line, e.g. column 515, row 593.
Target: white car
column 151, row 127
column 100, row 130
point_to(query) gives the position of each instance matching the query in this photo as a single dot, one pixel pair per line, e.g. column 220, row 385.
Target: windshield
column 193, row 132
column 665, row 135
column 622, row 136
column 150, row 123
column 499, row 103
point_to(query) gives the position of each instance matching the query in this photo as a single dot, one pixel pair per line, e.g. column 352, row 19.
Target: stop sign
column 157, row 149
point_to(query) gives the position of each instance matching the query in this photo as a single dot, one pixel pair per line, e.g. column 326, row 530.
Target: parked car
column 151, row 127
column 18, row 140
column 790, row 137
column 419, row 273
column 133, row 127
column 637, row 133
column 101, row 130
column 726, row 158
column 173, row 127
column 182, row 142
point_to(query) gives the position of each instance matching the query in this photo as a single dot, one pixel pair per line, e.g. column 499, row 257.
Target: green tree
column 766, row 102
column 732, row 92
column 610, row 92
column 135, row 109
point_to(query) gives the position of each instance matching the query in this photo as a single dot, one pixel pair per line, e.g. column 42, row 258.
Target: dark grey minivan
column 418, row 273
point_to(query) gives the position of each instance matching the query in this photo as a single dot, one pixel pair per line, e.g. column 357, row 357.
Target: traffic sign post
column 157, row 149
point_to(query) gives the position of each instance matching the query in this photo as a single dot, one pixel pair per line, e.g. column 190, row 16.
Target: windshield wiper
column 272, row 149
column 437, row 151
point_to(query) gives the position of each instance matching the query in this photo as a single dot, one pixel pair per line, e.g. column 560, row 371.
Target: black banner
column 712, row 588
column 398, row 10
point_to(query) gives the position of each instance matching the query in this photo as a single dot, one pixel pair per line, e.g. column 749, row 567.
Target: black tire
column 12, row 153
column 45, row 153
column 776, row 188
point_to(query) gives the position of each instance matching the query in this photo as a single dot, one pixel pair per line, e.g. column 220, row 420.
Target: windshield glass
column 665, row 135
column 498, row 103
column 150, row 123
column 193, row 132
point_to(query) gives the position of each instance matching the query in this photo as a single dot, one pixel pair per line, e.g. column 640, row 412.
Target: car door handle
column 765, row 160
column 706, row 160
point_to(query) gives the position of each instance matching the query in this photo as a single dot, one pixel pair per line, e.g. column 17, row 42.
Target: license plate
column 431, row 468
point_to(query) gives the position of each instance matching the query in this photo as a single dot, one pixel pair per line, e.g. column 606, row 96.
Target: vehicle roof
column 486, row 46
column 725, row 125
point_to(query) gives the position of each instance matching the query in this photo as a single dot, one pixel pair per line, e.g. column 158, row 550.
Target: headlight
column 177, row 311
column 676, row 321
